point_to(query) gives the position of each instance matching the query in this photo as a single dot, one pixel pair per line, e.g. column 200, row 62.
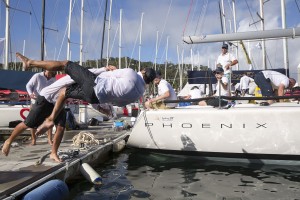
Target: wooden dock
column 21, row 172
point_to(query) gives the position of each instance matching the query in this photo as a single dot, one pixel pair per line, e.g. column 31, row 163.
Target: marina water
column 133, row 174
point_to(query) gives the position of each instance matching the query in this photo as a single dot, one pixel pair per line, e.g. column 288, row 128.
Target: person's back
column 276, row 78
column 122, row 86
column 165, row 86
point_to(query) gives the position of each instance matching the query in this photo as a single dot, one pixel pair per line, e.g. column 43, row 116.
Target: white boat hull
column 246, row 130
column 12, row 113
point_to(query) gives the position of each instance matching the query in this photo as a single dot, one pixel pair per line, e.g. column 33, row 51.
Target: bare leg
column 56, row 142
column 16, row 132
column 33, row 136
column 59, row 105
column 47, row 65
column 202, row 103
column 50, row 136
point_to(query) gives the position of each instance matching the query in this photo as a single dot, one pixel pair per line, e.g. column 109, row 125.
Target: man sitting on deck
column 270, row 82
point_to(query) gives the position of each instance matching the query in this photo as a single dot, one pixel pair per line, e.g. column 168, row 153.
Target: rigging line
column 250, row 13
column 52, row 18
column 187, row 18
column 297, row 6
column 66, row 30
column 148, row 128
column 166, row 19
column 113, row 43
column 136, row 38
column 93, row 28
column 36, row 20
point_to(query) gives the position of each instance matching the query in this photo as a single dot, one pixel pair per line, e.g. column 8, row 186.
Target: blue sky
column 168, row 17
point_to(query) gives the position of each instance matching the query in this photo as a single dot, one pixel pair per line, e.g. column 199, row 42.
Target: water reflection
column 139, row 175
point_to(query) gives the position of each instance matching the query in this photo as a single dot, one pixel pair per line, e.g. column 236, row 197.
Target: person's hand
column 227, row 67
column 32, row 96
column 110, row 68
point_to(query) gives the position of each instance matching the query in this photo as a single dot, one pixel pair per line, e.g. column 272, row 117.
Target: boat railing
column 296, row 97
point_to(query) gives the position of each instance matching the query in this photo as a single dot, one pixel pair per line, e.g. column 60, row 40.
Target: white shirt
column 195, row 93
column 224, row 60
column 245, row 81
column 121, row 87
column 51, row 92
column 276, row 78
column 37, row 82
column 224, row 92
column 163, row 87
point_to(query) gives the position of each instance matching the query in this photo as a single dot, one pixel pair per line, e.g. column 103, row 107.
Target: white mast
column 6, row 34
column 108, row 33
column 166, row 64
column 263, row 28
column 179, row 69
column 140, row 44
column 81, row 32
column 235, row 30
column 156, row 50
column 223, row 16
column 120, row 38
column 285, row 45
column 24, row 45
column 192, row 60
column 69, row 31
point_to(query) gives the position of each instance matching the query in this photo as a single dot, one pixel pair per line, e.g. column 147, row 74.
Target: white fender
column 90, row 174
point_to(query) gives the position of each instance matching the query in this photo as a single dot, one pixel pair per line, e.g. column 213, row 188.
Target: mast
column 81, row 32
column 156, row 49
column 43, row 31
column 223, row 16
column 120, row 38
column 6, row 34
column 262, row 23
column 69, row 31
column 285, row 45
column 166, row 63
column 140, row 44
column 103, row 33
column 108, row 33
column 235, row 30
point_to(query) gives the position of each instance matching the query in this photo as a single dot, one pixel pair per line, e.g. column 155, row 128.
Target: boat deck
column 29, row 166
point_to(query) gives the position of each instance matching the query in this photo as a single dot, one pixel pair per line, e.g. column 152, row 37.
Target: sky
column 162, row 19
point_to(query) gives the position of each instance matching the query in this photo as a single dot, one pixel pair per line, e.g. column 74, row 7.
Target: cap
column 149, row 75
column 218, row 70
column 225, row 46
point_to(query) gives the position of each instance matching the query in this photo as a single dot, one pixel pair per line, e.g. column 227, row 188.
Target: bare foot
column 25, row 60
column 55, row 157
column 5, row 148
column 33, row 142
column 44, row 127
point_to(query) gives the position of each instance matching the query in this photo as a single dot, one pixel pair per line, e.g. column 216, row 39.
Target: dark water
column 139, row 175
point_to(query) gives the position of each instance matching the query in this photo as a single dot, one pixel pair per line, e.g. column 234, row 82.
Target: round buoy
column 54, row 189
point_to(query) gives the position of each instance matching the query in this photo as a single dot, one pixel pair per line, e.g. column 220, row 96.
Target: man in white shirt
column 244, row 83
column 34, row 86
column 165, row 92
column 226, row 60
column 271, row 82
column 222, row 89
column 121, row 87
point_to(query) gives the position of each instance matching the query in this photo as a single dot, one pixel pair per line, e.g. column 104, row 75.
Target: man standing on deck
column 226, row 60
column 34, row 86
column 272, row 82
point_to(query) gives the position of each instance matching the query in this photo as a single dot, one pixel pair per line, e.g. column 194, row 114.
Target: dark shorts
column 40, row 110
column 83, row 88
column 215, row 102
column 264, row 84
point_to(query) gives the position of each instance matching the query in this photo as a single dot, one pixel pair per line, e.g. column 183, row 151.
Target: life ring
column 22, row 112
